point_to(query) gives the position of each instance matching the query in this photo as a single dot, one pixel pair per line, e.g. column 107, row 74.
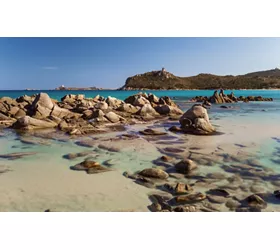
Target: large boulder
column 128, row 108
column 113, row 102
column 196, row 121
column 29, row 123
column 43, row 106
column 147, row 109
column 153, row 98
column 113, row 117
column 101, row 105
column 168, row 110
column 137, row 100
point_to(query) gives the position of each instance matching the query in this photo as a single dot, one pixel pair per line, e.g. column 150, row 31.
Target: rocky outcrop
column 28, row 123
column 196, row 121
column 78, row 115
column 221, row 97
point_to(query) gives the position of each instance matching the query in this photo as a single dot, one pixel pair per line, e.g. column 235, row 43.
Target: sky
column 46, row 63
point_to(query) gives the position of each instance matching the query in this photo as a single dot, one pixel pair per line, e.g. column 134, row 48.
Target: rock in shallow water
column 154, row 173
column 185, row 166
column 152, row 132
column 190, row 198
column 91, row 167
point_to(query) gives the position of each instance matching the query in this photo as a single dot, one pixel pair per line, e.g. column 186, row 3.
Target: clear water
column 182, row 95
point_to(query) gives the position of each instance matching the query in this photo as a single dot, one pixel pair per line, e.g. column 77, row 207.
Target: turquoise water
column 177, row 94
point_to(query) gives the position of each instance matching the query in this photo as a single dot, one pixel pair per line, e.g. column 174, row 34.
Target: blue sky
column 45, row 63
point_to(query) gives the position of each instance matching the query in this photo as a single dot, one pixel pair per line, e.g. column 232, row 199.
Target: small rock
column 185, row 166
column 232, row 204
column 190, row 198
column 256, row 201
column 154, row 173
column 166, row 158
column 152, row 132
column 175, row 129
column 219, row 192
column 216, row 199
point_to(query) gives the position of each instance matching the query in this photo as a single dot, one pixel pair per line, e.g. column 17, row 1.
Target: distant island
column 163, row 80
column 62, row 87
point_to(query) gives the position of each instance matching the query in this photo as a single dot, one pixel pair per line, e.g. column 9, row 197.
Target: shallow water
column 249, row 129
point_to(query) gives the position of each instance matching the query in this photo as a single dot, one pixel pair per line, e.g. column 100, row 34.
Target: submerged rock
column 13, row 156
column 152, row 132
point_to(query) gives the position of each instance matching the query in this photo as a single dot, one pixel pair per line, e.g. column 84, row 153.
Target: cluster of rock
column 181, row 196
column 221, row 97
column 76, row 114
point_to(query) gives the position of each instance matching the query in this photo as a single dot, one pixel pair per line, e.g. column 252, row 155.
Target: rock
column 20, row 113
column 256, row 201
column 190, row 198
column 42, row 105
column 147, row 109
column 13, row 111
column 112, row 117
column 247, row 209
column 29, row 123
column 155, row 207
column 86, row 143
column 167, row 110
column 175, row 129
column 219, row 176
column 60, row 112
column 162, row 200
column 128, row 108
column 154, row 173
column 166, row 158
column 153, row 98
column 185, row 166
column 113, row 102
column 18, row 155
column 216, row 199
column 219, row 192
column 233, row 204
column 277, row 194
column 196, row 120
column 152, row 132
column 182, row 188
column 91, row 167
column 177, row 176
column 137, row 100
column 184, row 209
column 173, row 150
column 101, row 105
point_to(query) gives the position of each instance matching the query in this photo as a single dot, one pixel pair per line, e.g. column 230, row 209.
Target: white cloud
column 50, row 68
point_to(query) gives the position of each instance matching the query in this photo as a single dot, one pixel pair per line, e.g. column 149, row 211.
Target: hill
column 165, row 80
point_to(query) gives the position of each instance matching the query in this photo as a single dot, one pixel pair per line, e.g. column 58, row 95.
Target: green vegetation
column 164, row 80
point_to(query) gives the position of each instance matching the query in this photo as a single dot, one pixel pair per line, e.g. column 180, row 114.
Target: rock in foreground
column 196, row 121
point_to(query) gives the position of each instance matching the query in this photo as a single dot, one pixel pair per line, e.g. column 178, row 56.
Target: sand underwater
column 244, row 160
